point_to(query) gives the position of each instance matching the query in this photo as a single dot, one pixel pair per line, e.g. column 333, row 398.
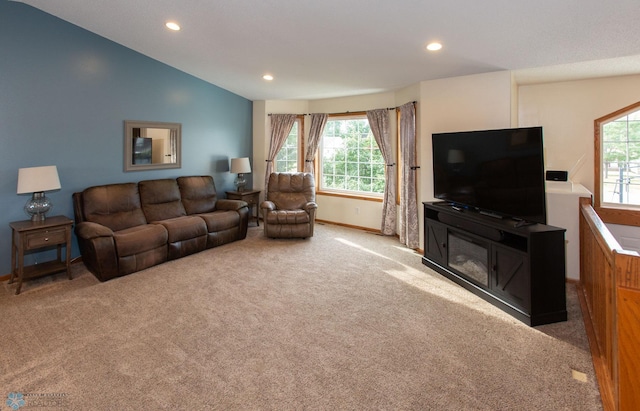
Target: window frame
column 301, row 146
column 319, row 164
column 611, row 213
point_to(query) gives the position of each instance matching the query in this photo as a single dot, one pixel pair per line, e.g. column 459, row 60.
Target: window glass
column 620, row 167
column 350, row 160
column 289, row 156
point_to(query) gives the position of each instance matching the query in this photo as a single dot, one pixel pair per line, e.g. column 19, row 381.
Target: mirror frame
column 129, row 125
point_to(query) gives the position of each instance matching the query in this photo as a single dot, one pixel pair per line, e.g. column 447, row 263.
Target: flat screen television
column 497, row 172
column 142, row 150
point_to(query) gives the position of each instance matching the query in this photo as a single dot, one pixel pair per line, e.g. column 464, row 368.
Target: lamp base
column 38, row 218
column 240, row 182
column 38, row 206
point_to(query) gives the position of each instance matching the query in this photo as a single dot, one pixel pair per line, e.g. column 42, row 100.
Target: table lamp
column 37, row 180
column 240, row 166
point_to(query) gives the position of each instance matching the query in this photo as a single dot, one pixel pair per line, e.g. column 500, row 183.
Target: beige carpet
column 346, row 320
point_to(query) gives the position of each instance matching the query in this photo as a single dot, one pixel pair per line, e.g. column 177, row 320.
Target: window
column 289, row 158
column 618, row 166
column 350, row 161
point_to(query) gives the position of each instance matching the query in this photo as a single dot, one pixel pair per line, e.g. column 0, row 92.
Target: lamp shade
column 38, row 179
column 240, row 165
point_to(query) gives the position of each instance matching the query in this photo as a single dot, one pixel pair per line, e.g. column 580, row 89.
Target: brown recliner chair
column 290, row 207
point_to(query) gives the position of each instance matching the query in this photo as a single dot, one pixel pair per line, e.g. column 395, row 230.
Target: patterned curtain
column 318, row 122
column 281, row 125
column 409, row 234
column 173, row 140
column 379, row 122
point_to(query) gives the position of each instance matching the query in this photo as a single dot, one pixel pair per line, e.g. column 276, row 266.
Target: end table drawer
column 45, row 238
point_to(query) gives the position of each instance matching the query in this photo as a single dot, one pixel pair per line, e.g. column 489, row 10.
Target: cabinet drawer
column 45, row 238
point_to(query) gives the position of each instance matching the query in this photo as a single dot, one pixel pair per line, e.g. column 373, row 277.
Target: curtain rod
column 346, row 112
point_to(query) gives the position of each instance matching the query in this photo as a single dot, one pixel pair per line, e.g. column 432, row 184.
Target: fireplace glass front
column 469, row 258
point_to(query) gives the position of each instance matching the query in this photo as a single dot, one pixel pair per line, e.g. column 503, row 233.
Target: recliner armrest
column 268, row 205
column 310, row 206
column 230, row 205
column 89, row 230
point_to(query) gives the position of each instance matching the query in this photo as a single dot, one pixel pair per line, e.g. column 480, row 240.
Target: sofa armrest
column 230, row 205
column 88, row 230
column 98, row 249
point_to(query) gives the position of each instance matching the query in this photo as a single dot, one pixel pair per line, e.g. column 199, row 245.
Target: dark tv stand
column 489, row 214
column 518, row 268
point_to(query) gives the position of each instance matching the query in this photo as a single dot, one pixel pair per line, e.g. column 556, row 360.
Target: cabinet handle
column 444, row 245
column 46, row 239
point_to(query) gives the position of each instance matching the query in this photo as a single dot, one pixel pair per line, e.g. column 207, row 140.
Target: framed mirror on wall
column 152, row 145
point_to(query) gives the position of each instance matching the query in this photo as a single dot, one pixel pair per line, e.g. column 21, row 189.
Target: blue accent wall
column 64, row 95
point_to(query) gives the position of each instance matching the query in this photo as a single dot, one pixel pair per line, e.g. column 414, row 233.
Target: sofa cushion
column 220, row 220
column 184, row 228
column 136, row 240
column 160, row 199
column 116, row 206
column 198, row 194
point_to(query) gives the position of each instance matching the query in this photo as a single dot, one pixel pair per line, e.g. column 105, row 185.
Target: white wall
column 567, row 111
column 161, row 144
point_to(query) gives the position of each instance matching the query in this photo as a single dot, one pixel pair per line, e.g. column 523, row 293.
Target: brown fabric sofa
column 127, row 227
column 289, row 211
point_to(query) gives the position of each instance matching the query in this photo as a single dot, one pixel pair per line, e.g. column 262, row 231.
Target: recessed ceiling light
column 268, row 77
column 434, row 46
column 172, row 25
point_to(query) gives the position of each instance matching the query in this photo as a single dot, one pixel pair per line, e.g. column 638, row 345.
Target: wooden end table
column 252, row 197
column 28, row 235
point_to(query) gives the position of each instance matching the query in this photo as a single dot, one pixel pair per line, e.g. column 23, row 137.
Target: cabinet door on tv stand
column 435, row 247
column 511, row 276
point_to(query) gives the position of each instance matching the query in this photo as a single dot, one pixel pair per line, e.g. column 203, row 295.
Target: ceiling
column 333, row 48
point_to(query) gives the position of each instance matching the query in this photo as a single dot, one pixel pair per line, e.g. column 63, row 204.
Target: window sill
column 350, row 196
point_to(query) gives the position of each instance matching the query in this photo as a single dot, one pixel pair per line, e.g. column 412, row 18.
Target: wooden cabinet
column 435, row 241
column 518, row 268
column 28, row 236
column 511, row 276
column 252, row 197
